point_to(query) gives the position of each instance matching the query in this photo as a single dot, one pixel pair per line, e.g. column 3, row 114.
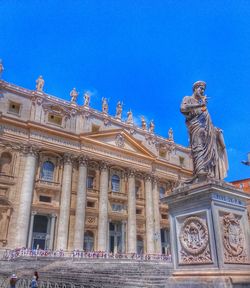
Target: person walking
column 34, row 283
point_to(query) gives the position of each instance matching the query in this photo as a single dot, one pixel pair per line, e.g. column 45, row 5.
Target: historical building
column 72, row 177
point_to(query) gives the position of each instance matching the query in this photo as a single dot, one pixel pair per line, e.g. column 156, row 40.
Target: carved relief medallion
column 194, row 240
column 233, row 239
column 120, row 141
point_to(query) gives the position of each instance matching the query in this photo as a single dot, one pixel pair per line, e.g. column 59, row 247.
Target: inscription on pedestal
column 194, row 241
column 233, row 238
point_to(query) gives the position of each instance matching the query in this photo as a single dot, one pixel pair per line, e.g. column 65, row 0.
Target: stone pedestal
column 210, row 233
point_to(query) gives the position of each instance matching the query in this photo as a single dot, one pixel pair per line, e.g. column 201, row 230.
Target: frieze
column 194, row 241
column 54, row 139
column 119, row 140
column 227, row 199
column 233, row 239
column 13, row 130
column 114, row 154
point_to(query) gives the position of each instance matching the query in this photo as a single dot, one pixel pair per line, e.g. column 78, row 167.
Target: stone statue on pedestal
column 105, row 105
column 143, row 123
column 170, row 134
column 206, row 141
column 130, row 117
column 151, row 126
column 39, row 84
column 73, row 95
column 1, row 68
column 118, row 114
column 86, row 99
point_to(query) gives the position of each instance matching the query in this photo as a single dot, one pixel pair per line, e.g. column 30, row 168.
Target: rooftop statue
column 206, row 141
column 105, row 106
column 143, row 123
column 118, row 114
column 151, row 126
column 170, row 134
column 73, row 95
column 86, row 99
column 130, row 117
column 1, row 68
column 39, row 84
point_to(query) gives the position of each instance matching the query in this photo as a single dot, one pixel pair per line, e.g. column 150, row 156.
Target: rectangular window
column 46, row 199
column 139, row 211
column 164, row 216
column 181, row 159
column 90, row 181
column 14, row 108
column 117, row 207
column 90, row 204
column 55, row 119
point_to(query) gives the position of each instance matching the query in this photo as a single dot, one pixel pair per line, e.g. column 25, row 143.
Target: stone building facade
column 72, row 177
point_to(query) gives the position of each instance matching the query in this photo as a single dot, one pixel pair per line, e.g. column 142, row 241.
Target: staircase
column 92, row 273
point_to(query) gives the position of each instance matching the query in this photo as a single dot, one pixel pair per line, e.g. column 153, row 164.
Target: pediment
column 118, row 139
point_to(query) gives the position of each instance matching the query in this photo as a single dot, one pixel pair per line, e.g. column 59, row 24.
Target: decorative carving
column 119, row 140
column 30, row 150
column 5, row 214
column 91, row 220
column 194, row 240
column 233, row 239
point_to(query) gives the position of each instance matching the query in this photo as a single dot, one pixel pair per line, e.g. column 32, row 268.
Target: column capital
column 104, row 165
column 131, row 173
column 67, row 158
column 30, row 150
column 148, row 177
column 83, row 160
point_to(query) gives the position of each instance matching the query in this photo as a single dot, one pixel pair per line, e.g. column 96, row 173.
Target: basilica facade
column 72, row 177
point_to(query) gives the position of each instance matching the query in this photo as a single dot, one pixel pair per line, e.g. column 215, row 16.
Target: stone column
column 52, row 231
column 63, row 222
column 157, row 225
column 149, row 215
column 103, row 209
column 131, row 213
column 123, row 236
column 80, row 204
column 26, row 195
column 33, row 213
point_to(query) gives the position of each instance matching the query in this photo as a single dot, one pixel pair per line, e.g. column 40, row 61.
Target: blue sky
column 144, row 53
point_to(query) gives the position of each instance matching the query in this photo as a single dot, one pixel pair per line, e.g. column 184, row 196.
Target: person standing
column 13, row 280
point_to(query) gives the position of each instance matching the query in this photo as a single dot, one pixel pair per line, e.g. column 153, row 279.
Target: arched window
column 162, row 192
column 47, row 171
column 5, row 162
column 88, row 241
column 115, row 182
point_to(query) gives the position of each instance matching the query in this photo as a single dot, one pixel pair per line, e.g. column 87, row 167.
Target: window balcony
column 117, row 195
column 47, row 185
column 6, row 179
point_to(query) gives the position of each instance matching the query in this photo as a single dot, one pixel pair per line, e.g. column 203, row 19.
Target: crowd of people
column 81, row 254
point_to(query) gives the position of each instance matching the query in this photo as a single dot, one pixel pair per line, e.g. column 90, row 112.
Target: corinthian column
column 157, row 225
column 149, row 215
column 131, row 213
column 103, row 209
column 26, row 195
column 63, row 222
column 80, row 204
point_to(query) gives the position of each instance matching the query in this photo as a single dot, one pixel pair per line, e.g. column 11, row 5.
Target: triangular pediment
column 118, row 139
